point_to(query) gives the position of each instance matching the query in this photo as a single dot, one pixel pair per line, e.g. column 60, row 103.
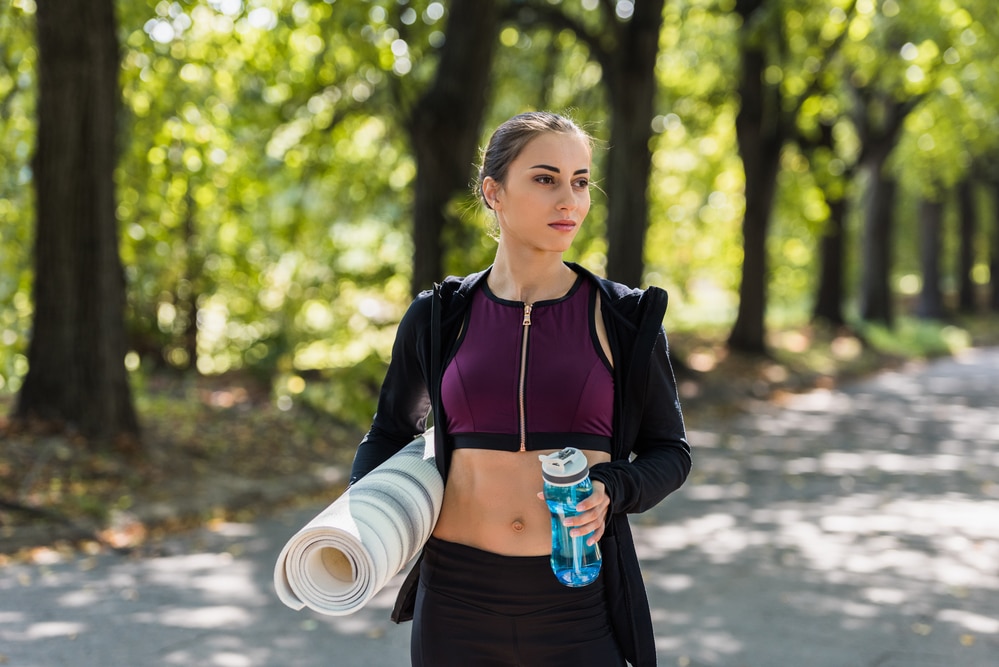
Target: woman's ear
column 490, row 192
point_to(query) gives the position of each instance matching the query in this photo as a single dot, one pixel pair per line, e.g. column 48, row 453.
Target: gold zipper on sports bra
column 523, row 377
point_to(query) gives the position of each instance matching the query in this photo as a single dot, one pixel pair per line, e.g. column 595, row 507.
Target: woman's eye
column 582, row 183
column 545, row 180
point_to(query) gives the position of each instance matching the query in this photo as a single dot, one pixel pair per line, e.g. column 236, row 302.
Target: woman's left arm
column 661, row 460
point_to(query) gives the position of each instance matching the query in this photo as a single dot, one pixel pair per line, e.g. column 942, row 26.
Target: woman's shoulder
column 629, row 303
column 454, row 285
column 451, row 294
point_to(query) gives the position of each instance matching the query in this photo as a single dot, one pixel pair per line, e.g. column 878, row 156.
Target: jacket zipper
column 523, row 377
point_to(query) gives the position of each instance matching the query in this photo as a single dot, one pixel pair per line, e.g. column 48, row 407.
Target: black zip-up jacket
column 650, row 457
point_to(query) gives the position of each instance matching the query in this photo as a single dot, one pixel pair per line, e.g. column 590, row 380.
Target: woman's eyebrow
column 559, row 171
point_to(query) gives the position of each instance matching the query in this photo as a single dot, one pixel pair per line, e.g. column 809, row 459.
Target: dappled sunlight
column 230, row 529
column 837, row 463
column 205, row 599
column 858, row 523
column 970, row 621
column 78, row 599
column 219, row 576
column 53, row 629
column 855, row 613
column 716, row 646
column 222, row 652
column 199, row 617
column 866, row 517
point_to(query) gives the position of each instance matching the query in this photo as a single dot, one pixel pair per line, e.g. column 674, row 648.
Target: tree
column 994, row 254
column 832, row 247
column 829, row 298
column 76, row 355
column 629, row 72
column 445, row 125
column 880, row 118
column 624, row 39
column 922, row 115
column 931, row 304
column 761, row 136
column 785, row 55
column 968, row 224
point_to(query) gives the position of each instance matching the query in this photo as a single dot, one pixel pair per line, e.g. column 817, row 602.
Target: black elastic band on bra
column 509, row 442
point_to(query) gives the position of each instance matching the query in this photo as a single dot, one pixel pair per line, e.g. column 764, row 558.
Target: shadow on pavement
column 856, row 527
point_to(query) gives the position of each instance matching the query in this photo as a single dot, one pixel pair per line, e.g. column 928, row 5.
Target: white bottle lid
column 564, row 467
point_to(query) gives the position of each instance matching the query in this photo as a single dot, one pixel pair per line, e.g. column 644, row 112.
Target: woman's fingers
column 590, row 521
column 593, row 514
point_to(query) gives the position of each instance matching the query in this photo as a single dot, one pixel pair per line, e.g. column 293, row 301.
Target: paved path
column 854, row 528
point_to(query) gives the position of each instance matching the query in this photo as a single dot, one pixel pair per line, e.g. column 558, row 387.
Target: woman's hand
column 592, row 515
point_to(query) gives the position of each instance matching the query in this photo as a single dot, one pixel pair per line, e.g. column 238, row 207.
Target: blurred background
column 213, row 213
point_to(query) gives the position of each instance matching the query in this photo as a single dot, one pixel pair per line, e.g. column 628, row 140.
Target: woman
column 524, row 358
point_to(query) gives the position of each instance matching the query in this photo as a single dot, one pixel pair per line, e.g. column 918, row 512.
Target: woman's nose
column 567, row 199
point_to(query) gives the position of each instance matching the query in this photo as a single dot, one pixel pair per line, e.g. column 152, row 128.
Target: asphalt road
column 848, row 528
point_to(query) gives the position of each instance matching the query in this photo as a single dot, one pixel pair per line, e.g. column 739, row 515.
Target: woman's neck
column 532, row 279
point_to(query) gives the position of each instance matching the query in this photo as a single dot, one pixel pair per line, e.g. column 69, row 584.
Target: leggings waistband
column 474, row 607
column 512, row 585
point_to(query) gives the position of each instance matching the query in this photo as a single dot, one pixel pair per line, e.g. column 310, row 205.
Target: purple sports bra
column 530, row 377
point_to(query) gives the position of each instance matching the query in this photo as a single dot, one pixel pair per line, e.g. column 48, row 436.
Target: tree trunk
column 875, row 274
column 445, row 128
column 632, row 88
column 760, row 137
column 931, row 306
column 968, row 224
column 186, row 293
column 879, row 121
column 832, row 246
column 76, row 373
column 994, row 254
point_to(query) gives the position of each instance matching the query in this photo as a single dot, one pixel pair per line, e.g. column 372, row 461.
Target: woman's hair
column 509, row 139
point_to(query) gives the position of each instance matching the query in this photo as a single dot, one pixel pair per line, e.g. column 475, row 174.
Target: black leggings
column 479, row 609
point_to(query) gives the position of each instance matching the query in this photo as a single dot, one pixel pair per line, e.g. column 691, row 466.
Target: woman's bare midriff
column 491, row 502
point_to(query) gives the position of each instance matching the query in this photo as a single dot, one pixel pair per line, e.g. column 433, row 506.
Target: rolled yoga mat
column 349, row 551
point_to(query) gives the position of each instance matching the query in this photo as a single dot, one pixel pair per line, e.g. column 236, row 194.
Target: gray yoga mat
column 339, row 560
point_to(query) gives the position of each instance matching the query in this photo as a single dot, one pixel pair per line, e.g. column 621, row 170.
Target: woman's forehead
column 560, row 149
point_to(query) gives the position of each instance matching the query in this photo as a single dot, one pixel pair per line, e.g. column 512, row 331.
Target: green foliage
column 696, row 189
column 799, row 217
column 17, row 138
column 947, row 56
column 267, row 198
column 265, row 180
column 917, row 339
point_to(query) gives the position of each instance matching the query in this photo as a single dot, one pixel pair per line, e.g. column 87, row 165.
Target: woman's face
column 546, row 193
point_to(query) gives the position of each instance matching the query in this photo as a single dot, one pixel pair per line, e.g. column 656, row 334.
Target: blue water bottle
column 567, row 482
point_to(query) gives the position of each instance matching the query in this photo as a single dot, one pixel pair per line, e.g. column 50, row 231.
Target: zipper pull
column 527, row 314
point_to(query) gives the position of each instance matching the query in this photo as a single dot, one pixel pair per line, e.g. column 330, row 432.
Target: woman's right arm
column 404, row 400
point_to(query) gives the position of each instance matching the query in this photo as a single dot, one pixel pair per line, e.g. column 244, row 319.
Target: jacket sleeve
column 404, row 399
column 661, row 455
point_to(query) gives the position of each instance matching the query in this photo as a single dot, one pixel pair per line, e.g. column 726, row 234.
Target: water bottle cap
column 565, row 467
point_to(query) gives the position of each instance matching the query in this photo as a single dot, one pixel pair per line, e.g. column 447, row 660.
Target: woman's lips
column 563, row 225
